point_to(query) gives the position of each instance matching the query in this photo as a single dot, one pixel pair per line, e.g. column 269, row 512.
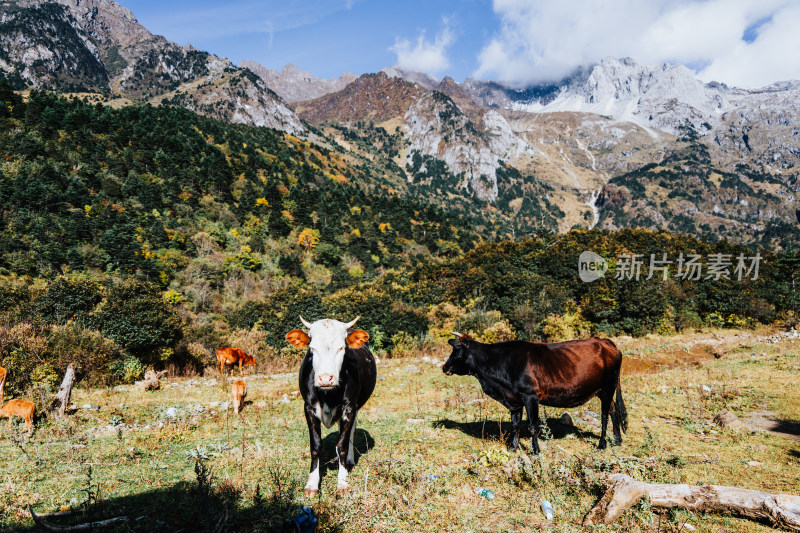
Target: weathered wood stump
column 151, row 380
column 65, row 390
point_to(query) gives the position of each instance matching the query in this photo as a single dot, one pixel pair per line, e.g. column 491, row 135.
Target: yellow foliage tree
column 308, row 238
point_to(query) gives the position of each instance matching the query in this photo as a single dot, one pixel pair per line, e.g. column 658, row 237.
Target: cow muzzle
column 326, row 381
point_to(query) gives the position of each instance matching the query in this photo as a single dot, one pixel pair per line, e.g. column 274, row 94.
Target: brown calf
column 21, row 408
column 231, row 356
column 238, row 392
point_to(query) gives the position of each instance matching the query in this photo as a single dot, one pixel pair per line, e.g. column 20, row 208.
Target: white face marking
column 327, row 345
column 313, row 479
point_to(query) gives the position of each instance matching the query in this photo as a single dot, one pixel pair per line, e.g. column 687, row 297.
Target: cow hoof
column 310, row 493
column 601, row 445
column 341, row 490
column 350, row 467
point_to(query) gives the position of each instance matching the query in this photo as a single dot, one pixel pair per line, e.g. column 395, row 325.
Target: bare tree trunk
column 780, row 510
column 65, row 390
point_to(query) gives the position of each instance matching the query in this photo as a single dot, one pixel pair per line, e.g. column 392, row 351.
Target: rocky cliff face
column 39, row 47
column 435, row 126
column 98, row 45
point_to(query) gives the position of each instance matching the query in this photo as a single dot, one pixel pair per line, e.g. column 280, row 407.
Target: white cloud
column 547, row 39
column 423, row 55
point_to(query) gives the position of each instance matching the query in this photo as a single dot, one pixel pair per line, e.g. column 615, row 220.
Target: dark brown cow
column 522, row 374
column 231, row 356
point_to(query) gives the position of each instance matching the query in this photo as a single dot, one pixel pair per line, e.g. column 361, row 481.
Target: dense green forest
column 149, row 235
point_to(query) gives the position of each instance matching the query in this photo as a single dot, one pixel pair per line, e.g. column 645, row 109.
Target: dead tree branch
column 780, row 510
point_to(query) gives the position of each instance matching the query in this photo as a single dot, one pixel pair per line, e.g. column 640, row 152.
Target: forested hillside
column 149, row 236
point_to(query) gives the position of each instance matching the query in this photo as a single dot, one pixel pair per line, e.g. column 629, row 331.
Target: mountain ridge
column 125, row 60
column 579, row 142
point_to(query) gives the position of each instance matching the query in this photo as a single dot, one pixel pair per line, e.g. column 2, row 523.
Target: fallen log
column 89, row 526
column 780, row 510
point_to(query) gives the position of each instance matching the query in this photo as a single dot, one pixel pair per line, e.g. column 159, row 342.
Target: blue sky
column 746, row 43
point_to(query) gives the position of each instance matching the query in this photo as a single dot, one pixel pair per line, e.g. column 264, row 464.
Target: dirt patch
column 659, row 362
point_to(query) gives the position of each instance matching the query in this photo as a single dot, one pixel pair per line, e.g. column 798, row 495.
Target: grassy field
column 176, row 459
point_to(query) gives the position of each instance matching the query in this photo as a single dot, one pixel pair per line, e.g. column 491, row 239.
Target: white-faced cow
column 522, row 375
column 337, row 377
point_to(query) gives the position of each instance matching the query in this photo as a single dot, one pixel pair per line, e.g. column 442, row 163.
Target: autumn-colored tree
column 308, row 239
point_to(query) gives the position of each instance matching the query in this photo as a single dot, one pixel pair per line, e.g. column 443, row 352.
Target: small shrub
column 69, row 298
column 566, row 327
column 442, row 318
column 130, row 369
column 498, row 332
column 136, row 316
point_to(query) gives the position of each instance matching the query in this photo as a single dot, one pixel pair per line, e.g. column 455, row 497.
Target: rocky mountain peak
column 104, row 20
column 98, row 45
column 375, row 97
column 411, row 76
column 295, row 85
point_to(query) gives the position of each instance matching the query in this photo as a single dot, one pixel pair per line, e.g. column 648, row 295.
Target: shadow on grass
column 224, row 506
column 183, row 507
column 362, row 445
column 789, row 428
column 496, row 430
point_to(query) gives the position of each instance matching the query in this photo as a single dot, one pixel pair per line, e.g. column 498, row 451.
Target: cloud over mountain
column 424, row 55
column 722, row 40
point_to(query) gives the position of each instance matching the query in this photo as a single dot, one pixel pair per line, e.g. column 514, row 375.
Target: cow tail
column 620, row 414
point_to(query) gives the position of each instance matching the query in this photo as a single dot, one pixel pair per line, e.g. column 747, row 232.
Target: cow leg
column 532, row 405
column 315, row 440
column 516, row 418
column 605, row 407
column 344, row 448
column 351, row 456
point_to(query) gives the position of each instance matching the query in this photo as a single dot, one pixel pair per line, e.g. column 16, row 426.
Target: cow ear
column 298, row 338
column 357, row 338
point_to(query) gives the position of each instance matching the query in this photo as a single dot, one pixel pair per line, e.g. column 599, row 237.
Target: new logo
column 591, row 266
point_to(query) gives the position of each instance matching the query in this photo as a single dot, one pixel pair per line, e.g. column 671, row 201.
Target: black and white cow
column 337, row 377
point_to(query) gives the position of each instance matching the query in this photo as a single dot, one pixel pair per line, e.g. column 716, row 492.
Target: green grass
column 215, row 471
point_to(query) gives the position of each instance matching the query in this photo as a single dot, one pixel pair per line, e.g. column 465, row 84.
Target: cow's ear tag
column 357, row 338
column 298, row 338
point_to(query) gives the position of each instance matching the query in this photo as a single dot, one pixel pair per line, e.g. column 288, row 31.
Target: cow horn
column 303, row 320
column 351, row 324
column 457, row 334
